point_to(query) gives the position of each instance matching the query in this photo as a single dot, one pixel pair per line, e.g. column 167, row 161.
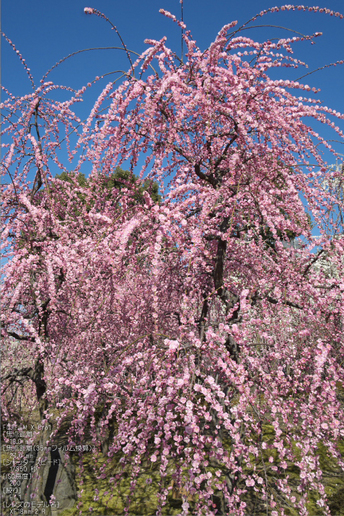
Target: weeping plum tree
column 173, row 329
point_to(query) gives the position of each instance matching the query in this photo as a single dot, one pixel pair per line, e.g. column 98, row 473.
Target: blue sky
column 45, row 31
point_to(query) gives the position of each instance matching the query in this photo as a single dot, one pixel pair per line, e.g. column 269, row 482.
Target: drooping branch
column 202, row 319
column 219, row 267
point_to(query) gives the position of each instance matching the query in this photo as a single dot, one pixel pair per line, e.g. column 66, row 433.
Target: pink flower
column 173, row 345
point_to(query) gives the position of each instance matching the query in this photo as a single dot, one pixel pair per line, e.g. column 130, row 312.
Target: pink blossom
column 207, row 323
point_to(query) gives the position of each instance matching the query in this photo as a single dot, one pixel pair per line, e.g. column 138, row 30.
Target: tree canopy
column 178, row 327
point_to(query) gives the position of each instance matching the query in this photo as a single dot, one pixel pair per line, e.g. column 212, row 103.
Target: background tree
column 116, row 181
column 201, row 349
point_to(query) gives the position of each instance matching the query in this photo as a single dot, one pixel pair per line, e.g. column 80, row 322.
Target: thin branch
column 182, row 30
column 340, row 61
column 86, row 50
column 313, row 261
column 19, row 337
column 102, row 15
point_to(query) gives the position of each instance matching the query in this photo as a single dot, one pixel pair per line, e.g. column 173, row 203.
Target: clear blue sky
column 45, row 31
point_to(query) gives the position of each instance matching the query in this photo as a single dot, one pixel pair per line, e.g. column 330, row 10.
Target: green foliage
column 114, row 184
column 124, row 179
column 81, row 178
